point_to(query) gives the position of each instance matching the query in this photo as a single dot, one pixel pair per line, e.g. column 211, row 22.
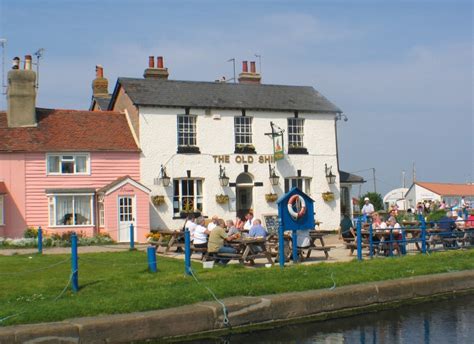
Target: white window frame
column 305, row 183
column 295, row 132
column 243, row 131
column 2, row 210
column 101, row 211
column 188, row 131
column 197, row 199
column 62, row 157
column 52, row 214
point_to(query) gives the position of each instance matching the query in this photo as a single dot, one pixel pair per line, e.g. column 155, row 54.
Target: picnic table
column 248, row 249
column 314, row 236
column 169, row 239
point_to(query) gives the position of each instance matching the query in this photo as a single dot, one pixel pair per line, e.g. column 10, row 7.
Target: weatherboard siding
column 105, row 168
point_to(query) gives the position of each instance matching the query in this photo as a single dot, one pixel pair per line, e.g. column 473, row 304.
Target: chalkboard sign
column 271, row 223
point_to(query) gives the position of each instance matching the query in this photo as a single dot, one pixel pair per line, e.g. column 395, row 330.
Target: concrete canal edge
column 244, row 313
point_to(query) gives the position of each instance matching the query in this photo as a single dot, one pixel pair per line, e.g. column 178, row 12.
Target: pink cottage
column 67, row 170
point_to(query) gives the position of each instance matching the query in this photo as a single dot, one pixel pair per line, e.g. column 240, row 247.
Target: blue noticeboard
column 295, row 212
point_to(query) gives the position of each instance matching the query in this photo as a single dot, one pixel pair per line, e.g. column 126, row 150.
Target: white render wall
column 418, row 193
column 158, row 142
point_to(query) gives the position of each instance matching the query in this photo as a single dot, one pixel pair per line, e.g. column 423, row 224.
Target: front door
column 126, row 215
column 243, row 192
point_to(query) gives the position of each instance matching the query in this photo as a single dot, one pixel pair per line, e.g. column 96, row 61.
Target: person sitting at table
column 217, row 237
column 346, row 228
column 200, row 233
column 231, row 228
column 397, row 235
column 248, row 220
column 190, row 225
column 447, row 226
column 257, row 230
column 213, row 223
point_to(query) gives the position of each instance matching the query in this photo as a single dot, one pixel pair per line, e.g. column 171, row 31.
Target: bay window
column 70, row 210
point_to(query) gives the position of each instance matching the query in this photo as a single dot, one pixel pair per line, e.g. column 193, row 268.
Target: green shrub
column 30, row 232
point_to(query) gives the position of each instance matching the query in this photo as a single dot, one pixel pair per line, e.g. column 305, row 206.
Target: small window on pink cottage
column 77, row 163
column 101, row 214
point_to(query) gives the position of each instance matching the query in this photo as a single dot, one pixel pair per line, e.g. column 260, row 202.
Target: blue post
column 359, row 238
column 40, row 240
column 132, row 239
column 281, row 243
column 151, row 253
column 423, row 234
column 187, row 252
column 371, row 253
column 74, row 264
column 403, row 247
column 391, row 242
column 294, row 239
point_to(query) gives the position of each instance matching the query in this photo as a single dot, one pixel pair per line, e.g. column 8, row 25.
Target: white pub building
column 206, row 147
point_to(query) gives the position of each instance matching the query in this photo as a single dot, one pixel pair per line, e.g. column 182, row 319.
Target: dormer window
column 77, row 163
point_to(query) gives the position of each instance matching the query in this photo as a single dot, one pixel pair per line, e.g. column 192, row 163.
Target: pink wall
column 142, row 211
column 26, row 179
column 12, row 173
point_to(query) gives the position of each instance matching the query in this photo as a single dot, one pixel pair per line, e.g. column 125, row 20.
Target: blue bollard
column 294, row 239
column 151, row 253
column 132, row 239
column 281, row 243
column 423, row 235
column 74, row 264
column 187, row 252
column 40, row 240
column 371, row 243
column 359, row 238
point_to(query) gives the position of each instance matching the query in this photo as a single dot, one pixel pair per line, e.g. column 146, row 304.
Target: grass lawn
column 119, row 282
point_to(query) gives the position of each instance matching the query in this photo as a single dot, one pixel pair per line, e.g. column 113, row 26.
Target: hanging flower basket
column 271, row 197
column 222, row 199
column 328, row 196
column 158, row 200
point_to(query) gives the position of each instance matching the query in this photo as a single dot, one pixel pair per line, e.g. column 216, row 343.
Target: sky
column 402, row 71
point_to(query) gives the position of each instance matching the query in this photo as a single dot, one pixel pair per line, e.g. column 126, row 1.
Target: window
column 186, row 130
column 295, row 132
column 302, row 183
column 243, row 131
column 2, row 212
column 187, row 196
column 68, row 164
column 70, row 210
column 101, row 214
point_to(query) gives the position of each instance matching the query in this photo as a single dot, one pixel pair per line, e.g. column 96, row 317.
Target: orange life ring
column 291, row 202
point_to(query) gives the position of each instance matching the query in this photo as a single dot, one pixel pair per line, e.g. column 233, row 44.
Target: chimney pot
column 16, row 63
column 151, row 61
column 100, row 85
column 27, row 62
column 252, row 67
column 159, row 62
column 245, row 67
column 99, row 71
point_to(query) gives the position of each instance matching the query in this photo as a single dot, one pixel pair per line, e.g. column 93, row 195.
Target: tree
column 375, row 198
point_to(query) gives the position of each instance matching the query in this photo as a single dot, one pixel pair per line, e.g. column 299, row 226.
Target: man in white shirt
column 190, row 225
column 248, row 221
column 368, row 207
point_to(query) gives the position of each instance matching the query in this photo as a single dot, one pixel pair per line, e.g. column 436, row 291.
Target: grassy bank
column 31, row 287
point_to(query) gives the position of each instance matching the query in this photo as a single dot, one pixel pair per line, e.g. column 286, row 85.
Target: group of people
column 215, row 237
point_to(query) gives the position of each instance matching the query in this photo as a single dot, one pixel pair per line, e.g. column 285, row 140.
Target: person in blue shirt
column 257, row 230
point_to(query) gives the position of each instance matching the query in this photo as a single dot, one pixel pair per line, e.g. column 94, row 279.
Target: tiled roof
column 449, row 189
column 177, row 93
column 102, row 102
column 3, row 188
column 69, row 130
column 113, row 183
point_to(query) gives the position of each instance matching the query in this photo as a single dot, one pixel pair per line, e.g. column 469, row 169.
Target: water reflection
column 446, row 321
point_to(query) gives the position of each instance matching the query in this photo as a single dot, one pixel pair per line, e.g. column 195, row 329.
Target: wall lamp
column 223, row 179
column 341, row 116
column 274, row 178
column 331, row 178
column 165, row 180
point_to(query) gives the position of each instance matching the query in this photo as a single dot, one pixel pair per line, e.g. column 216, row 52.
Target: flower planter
column 222, row 199
column 158, row 200
column 328, row 196
column 271, row 197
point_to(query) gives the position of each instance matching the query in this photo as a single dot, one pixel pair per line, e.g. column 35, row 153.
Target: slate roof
column 103, row 102
column 448, row 189
column 346, row 177
column 175, row 93
column 69, row 130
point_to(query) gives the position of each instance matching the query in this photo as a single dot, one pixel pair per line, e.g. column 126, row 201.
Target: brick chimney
column 100, row 85
column 21, row 95
column 160, row 72
column 251, row 77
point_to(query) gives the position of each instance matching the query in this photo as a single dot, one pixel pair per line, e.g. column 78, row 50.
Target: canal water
column 433, row 322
